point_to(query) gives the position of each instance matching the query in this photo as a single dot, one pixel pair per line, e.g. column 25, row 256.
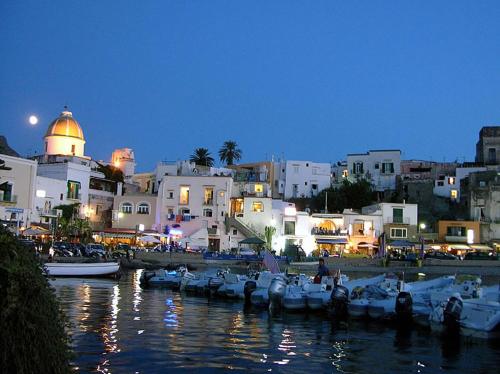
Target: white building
column 17, row 190
column 400, row 220
column 196, row 206
column 449, row 185
column 303, row 178
column 380, row 167
column 124, row 159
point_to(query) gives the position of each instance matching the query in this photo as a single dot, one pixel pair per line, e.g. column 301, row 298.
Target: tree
column 269, row 232
column 32, row 326
column 110, row 172
column 230, row 152
column 201, row 156
column 353, row 195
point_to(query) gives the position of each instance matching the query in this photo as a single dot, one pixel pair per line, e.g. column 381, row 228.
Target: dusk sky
column 308, row 80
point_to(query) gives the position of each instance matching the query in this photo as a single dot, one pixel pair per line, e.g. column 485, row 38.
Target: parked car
column 78, row 249
column 95, row 250
column 439, row 255
column 481, row 255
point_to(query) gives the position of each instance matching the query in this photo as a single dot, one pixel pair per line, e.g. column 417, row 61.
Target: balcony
column 74, row 196
column 318, row 231
column 8, row 199
column 397, row 220
column 47, row 212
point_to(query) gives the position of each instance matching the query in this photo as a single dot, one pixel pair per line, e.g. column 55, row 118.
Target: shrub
column 32, row 326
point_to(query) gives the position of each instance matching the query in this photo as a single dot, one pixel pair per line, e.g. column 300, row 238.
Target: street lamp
column 422, row 227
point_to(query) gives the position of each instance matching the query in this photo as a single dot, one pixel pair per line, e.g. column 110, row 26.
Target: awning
column 115, row 235
column 481, row 247
column 402, row 243
column 331, row 241
column 459, row 246
column 253, row 240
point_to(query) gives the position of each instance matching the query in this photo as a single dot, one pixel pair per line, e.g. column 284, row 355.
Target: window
column 126, row 208
column 344, row 173
column 235, row 232
column 377, row 165
column 41, row 193
column 296, row 169
column 257, row 206
column 315, row 171
column 454, row 194
column 143, row 208
column 73, row 149
column 46, row 146
column 98, row 209
column 170, row 194
column 387, row 167
column 357, row 168
column 73, row 190
column 289, row 228
column 307, row 165
column 208, row 198
column 184, row 195
column 61, row 197
column 492, row 155
column 6, row 191
column 451, row 180
column 314, row 186
column 397, row 215
column 305, row 183
column 221, row 193
column 456, row 231
column 207, row 212
column 259, row 188
column 399, row 232
column 440, row 183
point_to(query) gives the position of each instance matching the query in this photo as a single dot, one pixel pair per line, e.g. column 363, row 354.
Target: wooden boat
column 94, row 269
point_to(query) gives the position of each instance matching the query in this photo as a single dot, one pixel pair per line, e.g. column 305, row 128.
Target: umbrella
column 148, row 239
column 253, row 240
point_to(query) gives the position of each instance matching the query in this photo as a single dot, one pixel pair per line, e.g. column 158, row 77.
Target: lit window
column 126, row 208
column 73, row 190
column 257, row 207
column 454, row 194
column 143, row 208
column 451, row 180
column 184, row 195
column 73, row 149
column 345, row 173
column 259, row 188
column 221, row 194
column 41, row 193
column 399, row 233
column 208, row 196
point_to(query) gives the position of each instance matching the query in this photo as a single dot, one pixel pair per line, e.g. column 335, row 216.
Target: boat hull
column 82, row 269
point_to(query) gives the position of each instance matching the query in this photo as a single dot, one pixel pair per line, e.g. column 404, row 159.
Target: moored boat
column 94, row 269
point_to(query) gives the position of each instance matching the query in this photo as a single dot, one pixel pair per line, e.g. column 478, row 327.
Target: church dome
column 65, row 125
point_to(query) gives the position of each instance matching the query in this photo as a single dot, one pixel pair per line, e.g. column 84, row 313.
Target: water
column 117, row 327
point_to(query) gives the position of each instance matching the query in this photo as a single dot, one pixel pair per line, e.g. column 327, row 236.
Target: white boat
column 72, row 269
column 318, row 295
column 471, row 317
column 295, row 297
column 234, row 286
column 260, row 296
column 384, row 307
column 164, row 278
column 360, row 295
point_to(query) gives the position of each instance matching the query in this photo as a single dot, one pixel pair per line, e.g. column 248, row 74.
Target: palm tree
column 229, row 152
column 269, row 232
column 201, row 156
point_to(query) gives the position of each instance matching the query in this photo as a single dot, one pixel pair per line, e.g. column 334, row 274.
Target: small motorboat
column 361, row 294
column 234, row 285
column 256, row 292
column 164, row 278
column 84, row 269
column 295, row 297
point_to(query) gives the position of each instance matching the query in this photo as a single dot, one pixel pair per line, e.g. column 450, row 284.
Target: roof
column 65, row 125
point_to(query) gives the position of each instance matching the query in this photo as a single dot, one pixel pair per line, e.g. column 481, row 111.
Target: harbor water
column 118, row 327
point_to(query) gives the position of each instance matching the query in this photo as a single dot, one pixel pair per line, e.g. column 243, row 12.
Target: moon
column 33, row 120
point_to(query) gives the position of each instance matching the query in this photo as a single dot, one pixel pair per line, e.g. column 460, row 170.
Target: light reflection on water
column 117, row 327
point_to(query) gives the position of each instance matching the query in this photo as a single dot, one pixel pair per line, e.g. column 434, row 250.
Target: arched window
column 143, row 208
column 126, row 208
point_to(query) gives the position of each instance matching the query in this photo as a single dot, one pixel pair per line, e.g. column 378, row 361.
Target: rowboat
column 97, row 269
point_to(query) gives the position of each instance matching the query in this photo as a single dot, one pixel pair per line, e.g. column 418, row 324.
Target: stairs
column 240, row 226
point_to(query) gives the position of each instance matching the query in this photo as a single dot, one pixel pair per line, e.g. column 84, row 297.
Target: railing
column 402, row 220
column 320, row 231
column 47, row 212
column 8, row 199
column 74, row 196
column 456, row 239
column 208, row 202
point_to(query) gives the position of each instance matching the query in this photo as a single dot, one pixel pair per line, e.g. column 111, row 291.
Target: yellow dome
column 65, row 125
